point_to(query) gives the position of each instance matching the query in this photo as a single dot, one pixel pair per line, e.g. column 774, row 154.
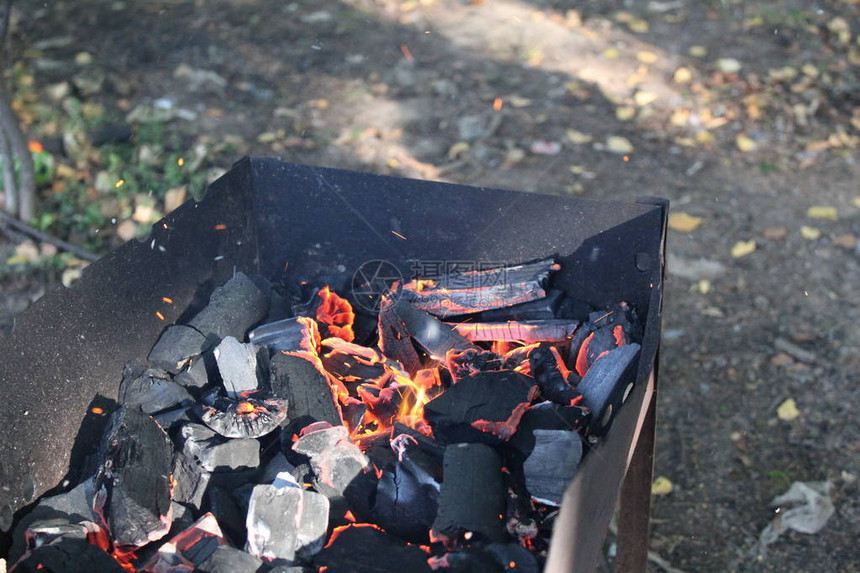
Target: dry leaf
column 26, row 252
column 644, row 98
column 638, row 25
column 743, row 248
column 698, row 51
column 126, row 230
column 684, row 222
column 729, row 65
column 619, row 144
column 458, row 149
column 611, row 53
column 578, row 137
column 662, row 486
column 704, row 286
column 625, row 113
column 745, row 144
column 788, row 410
column 704, row 137
column 683, row 76
column 841, row 28
column 175, row 197
column 647, row 57
column 823, row 212
column 679, row 117
column 810, row 233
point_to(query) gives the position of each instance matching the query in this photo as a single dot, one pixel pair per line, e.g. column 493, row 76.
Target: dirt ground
column 744, row 114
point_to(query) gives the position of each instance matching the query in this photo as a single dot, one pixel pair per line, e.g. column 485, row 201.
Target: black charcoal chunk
column 237, row 364
column 48, row 531
column 367, row 549
column 285, row 521
column 228, row 559
column 309, row 395
column 175, row 346
column 394, row 340
column 189, row 548
column 473, row 494
column 436, row 337
column 244, row 417
column 299, row 334
column 407, row 499
column 150, row 390
column 228, row 514
column 335, row 459
column 68, row 556
column 468, row 560
column 278, row 464
column 132, row 485
column 195, row 374
column 547, row 416
column 552, row 464
column 552, row 383
column 513, row 557
column 190, row 481
column 216, row 454
column 233, row 308
column 607, row 384
column 541, row 309
column 173, row 418
column 485, row 407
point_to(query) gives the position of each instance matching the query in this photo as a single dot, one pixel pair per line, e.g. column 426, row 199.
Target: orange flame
column 336, row 312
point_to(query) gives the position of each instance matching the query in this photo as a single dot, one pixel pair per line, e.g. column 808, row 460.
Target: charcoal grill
column 293, row 222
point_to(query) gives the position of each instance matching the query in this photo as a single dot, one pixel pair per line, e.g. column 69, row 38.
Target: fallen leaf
column 519, row 101
column 578, row 137
column 856, row 202
column 647, row 57
column 743, row 248
column 704, row 286
column 70, row 276
column 698, row 51
column 625, row 113
column 810, row 233
column 684, row 222
column 83, row 58
column 458, row 149
column 26, row 252
column 644, row 98
column 683, row 76
column 841, row 28
column 662, row 486
column 729, row 65
column 775, row 233
column 809, row 70
column 611, row 53
column 704, row 137
column 788, row 410
column 638, row 25
column 680, row 117
column 619, row 144
column 175, row 197
column 126, row 230
column 822, row 212
column 745, row 144
column 848, row 241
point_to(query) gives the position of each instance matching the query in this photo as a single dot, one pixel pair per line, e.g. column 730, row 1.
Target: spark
column 498, row 103
column 119, row 183
column 168, row 300
column 35, row 146
column 97, row 410
column 625, row 159
column 407, row 53
column 806, row 293
column 180, row 162
column 396, row 234
column 220, row 227
column 159, row 315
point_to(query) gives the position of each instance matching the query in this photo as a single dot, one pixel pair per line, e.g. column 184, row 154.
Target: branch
column 9, row 184
column 27, row 177
column 14, row 223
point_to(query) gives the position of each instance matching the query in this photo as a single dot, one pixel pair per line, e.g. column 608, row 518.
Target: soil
column 487, row 93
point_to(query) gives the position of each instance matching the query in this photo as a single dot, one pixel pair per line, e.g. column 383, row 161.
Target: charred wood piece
column 233, row 308
column 545, row 308
column 547, row 416
column 480, row 290
column 351, row 365
column 394, row 339
column 462, row 364
column 552, row 464
column 334, row 458
column 528, row 331
column 133, row 484
column 151, row 390
column 238, row 366
column 245, row 417
column 176, row 345
column 436, row 337
column 299, row 334
column 49, row 531
column 473, row 495
column 68, row 556
column 217, row 454
column 285, row 521
column 607, row 384
column 486, row 407
column 545, row 366
column 306, row 388
column 189, row 481
column 189, row 548
column 364, row 548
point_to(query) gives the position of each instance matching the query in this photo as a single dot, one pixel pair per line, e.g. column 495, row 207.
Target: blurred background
column 746, row 115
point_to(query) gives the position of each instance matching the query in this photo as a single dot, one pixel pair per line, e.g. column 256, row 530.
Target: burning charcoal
column 427, row 445
column 407, row 498
column 189, row 481
column 49, row 531
column 183, row 518
column 335, row 315
column 521, row 518
column 394, row 339
column 132, row 486
column 233, row 308
column 216, row 454
column 436, row 337
column 190, row 548
column 352, row 364
column 623, row 315
column 285, row 521
column 302, row 383
column 607, row 384
column 300, row 334
column 237, row 364
column 195, row 374
column 226, row 559
column 245, row 417
column 552, row 464
column 386, row 403
column 473, row 494
column 230, row 517
column 176, row 345
column 513, row 557
column 150, row 390
column 68, row 556
column 480, row 290
column 335, row 459
column 469, row 362
column 545, row 365
column 540, row 309
column 364, row 548
column 547, row 416
column 277, row 465
column 485, row 407
column 529, row 331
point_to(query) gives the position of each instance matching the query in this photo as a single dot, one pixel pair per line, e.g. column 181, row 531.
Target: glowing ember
column 245, row 408
column 337, row 314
